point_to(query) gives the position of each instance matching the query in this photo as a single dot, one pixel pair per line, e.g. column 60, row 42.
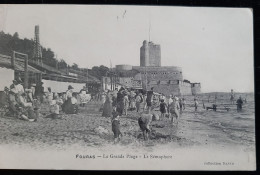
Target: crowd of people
column 25, row 104
column 118, row 102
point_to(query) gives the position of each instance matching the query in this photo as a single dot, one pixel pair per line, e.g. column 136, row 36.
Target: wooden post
column 26, row 71
column 13, row 60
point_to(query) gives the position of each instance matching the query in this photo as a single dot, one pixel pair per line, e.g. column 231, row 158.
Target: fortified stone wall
column 160, row 73
column 195, row 88
column 169, row 87
column 166, row 89
column 185, row 89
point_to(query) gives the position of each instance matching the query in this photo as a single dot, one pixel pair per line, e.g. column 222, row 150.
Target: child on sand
column 174, row 110
column 163, row 108
column 116, row 127
column 144, row 122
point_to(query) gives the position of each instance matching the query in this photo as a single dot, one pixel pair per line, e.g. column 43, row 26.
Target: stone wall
column 166, row 89
column 185, row 89
column 195, row 88
column 160, row 73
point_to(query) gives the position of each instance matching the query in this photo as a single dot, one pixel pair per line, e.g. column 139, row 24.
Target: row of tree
column 8, row 43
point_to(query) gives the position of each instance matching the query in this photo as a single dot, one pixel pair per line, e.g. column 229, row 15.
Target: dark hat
column 70, row 87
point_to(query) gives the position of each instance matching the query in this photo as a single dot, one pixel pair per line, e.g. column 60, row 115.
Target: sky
column 213, row 46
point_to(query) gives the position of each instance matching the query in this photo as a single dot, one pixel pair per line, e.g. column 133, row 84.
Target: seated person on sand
column 25, row 109
column 54, row 109
column 84, row 98
column 144, row 122
column 13, row 105
column 72, row 107
column 49, row 96
column 116, row 127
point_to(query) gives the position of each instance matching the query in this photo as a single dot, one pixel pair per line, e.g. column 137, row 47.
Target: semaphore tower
column 37, row 50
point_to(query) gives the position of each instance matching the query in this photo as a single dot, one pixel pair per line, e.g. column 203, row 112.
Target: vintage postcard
column 102, row 87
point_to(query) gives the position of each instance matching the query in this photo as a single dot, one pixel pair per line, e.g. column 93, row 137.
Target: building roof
column 5, row 61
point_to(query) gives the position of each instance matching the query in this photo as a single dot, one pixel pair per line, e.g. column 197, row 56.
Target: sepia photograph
column 126, row 87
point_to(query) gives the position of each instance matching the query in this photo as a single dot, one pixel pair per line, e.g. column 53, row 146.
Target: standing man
column 239, row 104
column 149, row 100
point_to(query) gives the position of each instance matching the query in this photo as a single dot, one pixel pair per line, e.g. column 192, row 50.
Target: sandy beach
column 200, row 141
column 89, row 129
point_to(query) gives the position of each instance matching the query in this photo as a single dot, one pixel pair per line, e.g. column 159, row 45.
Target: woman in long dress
column 107, row 109
column 132, row 100
column 120, row 101
column 126, row 103
column 67, row 104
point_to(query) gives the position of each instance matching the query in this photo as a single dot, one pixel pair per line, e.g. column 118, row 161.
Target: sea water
column 237, row 128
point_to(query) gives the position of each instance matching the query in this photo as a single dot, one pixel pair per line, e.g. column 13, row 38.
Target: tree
column 16, row 35
column 75, row 66
column 62, row 64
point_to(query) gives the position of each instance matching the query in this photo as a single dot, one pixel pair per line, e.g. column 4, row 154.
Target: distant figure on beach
column 107, row 109
column 239, row 104
column 68, row 107
column 196, row 104
column 245, row 100
column 144, row 99
column 174, row 110
column 232, row 97
column 216, row 98
column 163, row 108
column 103, row 99
column 138, row 100
column 183, row 103
column 125, row 102
column 132, row 100
column 208, row 98
column 49, row 96
column 120, row 101
column 144, row 122
column 149, row 100
column 39, row 91
column 116, row 127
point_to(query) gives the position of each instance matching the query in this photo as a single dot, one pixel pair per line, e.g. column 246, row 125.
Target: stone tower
column 150, row 54
column 37, row 50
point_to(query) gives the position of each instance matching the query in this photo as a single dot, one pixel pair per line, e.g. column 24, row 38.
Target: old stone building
column 164, row 79
column 150, row 54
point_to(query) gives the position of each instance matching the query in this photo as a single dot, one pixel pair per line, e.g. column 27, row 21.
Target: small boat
column 215, row 108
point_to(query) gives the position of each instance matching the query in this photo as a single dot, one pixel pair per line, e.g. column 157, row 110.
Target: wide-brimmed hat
column 70, row 87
